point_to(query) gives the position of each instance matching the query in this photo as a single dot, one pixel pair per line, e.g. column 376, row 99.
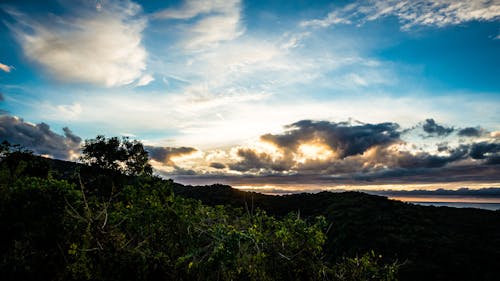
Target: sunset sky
column 299, row 95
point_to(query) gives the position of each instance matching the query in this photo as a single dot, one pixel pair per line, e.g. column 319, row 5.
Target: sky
column 263, row 95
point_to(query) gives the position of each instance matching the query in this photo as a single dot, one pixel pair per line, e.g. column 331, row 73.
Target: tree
column 112, row 153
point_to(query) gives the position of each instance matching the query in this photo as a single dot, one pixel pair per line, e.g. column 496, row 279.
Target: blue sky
column 217, row 76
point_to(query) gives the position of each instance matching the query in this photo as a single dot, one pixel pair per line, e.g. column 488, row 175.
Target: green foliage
column 16, row 162
column 151, row 232
column 108, row 226
column 54, row 231
column 34, row 227
column 367, row 267
column 114, row 154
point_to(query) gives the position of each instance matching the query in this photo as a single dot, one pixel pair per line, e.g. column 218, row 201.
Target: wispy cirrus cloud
column 97, row 44
column 438, row 13
column 215, row 21
column 5, row 68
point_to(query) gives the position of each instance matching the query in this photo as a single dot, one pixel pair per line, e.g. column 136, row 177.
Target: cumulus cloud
column 363, row 152
column 432, row 128
column 320, row 147
column 471, row 132
column 407, row 160
column 100, row 46
column 165, row 154
column 438, row 13
column 5, row 67
column 257, row 162
column 490, row 151
column 39, row 138
column 214, row 21
column 342, row 138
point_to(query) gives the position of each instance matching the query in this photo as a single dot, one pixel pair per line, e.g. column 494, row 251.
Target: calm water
column 486, row 206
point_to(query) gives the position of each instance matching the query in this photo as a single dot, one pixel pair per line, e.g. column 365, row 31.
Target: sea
column 487, row 203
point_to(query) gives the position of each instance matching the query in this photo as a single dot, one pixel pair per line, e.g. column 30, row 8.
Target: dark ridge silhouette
column 432, row 243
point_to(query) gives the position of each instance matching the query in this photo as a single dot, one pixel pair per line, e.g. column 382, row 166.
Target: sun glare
column 313, row 151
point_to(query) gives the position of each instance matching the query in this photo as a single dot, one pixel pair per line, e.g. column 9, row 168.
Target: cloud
column 145, row 80
column 215, row 21
column 217, row 165
column 100, row 46
column 438, row 13
column 324, row 151
column 39, row 138
column 471, row 132
column 490, row 151
column 5, row 67
column 255, row 162
column 69, row 111
column 165, row 154
column 409, row 160
column 432, row 128
column 2, row 99
column 342, row 138
column 293, row 40
column 192, row 8
column 319, row 147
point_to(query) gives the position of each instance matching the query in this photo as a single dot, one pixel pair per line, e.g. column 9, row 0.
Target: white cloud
column 437, row 13
column 5, row 67
column 293, row 40
column 69, row 111
column 193, row 8
column 215, row 21
column 145, row 80
column 100, row 46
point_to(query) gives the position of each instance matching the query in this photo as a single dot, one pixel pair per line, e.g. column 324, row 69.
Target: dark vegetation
column 111, row 220
column 66, row 221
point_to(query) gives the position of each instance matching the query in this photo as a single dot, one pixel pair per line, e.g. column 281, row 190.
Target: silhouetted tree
column 112, row 153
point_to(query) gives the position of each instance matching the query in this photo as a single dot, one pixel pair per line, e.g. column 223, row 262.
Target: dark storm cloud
column 360, row 154
column 217, row 165
column 253, row 161
column 426, row 160
column 349, row 144
column 432, row 128
column 343, row 138
column 470, row 132
column 69, row 135
column 39, row 138
column 164, row 154
column 490, row 151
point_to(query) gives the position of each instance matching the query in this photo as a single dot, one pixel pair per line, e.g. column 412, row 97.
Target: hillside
column 434, row 243
column 430, row 243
